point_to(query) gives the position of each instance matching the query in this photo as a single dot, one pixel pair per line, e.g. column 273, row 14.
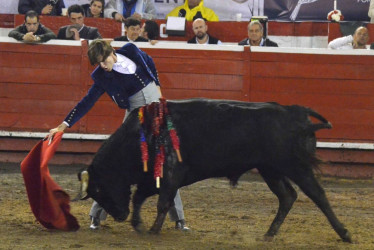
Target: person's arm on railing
column 339, row 42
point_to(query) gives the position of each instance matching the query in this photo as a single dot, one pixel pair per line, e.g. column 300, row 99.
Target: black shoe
column 181, row 225
column 95, row 223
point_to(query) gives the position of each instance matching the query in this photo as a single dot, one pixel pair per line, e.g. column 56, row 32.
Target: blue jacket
column 118, row 86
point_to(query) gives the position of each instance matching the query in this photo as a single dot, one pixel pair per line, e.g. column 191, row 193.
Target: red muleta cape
column 49, row 203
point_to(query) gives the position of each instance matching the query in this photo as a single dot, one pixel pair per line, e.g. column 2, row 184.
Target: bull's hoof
column 268, row 238
column 347, row 237
column 154, row 231
column 140, row 228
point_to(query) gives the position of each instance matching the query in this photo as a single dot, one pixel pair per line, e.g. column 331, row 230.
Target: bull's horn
column 84, row 178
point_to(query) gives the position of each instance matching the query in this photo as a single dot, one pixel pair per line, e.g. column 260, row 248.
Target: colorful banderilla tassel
column 159, row 162
column 143, row 142
column 174, row 138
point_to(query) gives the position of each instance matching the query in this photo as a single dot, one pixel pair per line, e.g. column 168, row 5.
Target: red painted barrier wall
column 40, row 84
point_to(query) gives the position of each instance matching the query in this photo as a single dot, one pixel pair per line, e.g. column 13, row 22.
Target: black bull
column 217, row 139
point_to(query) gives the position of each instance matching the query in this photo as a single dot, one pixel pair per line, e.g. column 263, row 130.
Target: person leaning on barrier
column 358, row 41
column 132, row 27
column 194, row 9
column 130, row 78
column 94, row 9
column 77, row 30
column 42, row 7
column 150, row 31
column 32, row 30
column 200, row 29
column 256, row 36
column 119, row 10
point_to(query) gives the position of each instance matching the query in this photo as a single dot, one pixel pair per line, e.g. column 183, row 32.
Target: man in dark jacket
column 200, row 29
column 77, row 30
column 256, row 36
column 42, row 7
column 32, row 30
column 132, row 27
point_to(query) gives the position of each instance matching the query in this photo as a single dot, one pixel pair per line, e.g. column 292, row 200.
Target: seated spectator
column 132, row 28
column 200, row 29
column 42, row 7
column 32, row 30
column 256, row 36
column 94, row 9
column 193, row 9
column 119, row 10
column 78, row 30
column 357, row 41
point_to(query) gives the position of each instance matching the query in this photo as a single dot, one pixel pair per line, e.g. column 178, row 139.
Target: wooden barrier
column 41, row 83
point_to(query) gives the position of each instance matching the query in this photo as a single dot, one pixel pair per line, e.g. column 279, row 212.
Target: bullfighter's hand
column 29, row 37
column 53, row 131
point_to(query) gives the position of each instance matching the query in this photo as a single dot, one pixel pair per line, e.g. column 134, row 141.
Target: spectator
column 357, row 41
column 150, row 30
column 78, row 30
column 200, row 29
column 32, row 30
column 256, row 36
column 193, row 9
column 371, row 11
column 119, row 10
column 132, row 28
column 94, row 9
column 42, row 7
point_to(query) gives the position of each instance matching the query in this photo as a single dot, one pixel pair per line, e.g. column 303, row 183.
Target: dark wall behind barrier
column 315, row 10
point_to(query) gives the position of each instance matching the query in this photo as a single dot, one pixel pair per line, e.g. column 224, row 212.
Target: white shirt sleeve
column 340, row 42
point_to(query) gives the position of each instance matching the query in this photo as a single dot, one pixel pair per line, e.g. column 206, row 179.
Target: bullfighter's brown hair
column 99, row 50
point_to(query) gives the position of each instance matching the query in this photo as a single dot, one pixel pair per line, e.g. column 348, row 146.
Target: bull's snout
column 122, row 217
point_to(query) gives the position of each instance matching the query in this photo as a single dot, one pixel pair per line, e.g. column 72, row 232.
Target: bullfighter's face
column 107, row 63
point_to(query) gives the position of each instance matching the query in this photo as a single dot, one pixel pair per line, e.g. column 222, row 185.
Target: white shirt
column 261, row 43
column 344, row 42
column 207, row 41
column 124, row 65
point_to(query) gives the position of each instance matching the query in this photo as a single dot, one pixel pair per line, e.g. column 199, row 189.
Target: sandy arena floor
column 220, row 217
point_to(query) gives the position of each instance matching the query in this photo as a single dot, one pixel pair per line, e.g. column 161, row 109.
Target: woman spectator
column 94, row 9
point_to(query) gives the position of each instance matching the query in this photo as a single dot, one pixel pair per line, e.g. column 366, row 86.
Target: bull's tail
column 317, row 126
